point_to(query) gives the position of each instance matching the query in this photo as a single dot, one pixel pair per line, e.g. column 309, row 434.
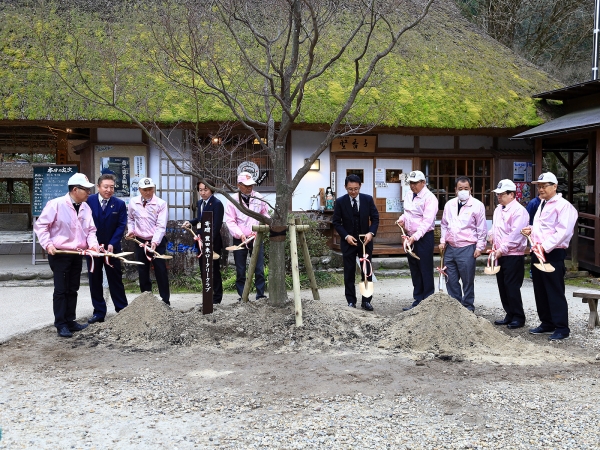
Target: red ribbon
column 106, row 258
column 198, row 239
column 442, row 271
column 491, row 256
column 87, row 253
column 365, row 260
column 539, row 251
column 146, row 248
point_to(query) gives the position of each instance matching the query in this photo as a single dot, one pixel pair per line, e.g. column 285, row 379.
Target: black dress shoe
column 95, row 318
column 504, row 321
column 352, row 305
column 515, row 324
column 74, row 326
column 408, row 308
column 366, row 306
column 64, row 332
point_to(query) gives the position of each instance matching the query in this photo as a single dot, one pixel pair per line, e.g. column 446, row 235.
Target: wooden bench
column 590, row 296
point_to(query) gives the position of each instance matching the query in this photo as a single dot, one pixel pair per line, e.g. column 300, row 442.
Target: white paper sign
column 394, row 205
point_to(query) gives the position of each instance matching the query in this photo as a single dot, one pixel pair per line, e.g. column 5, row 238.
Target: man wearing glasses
column 66, row 223
column 510, row 217
column 420, row 209
column 552, row 229
column 355, row 214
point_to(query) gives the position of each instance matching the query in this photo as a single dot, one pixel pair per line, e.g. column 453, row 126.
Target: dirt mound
column 441, row 327
column 438, row 328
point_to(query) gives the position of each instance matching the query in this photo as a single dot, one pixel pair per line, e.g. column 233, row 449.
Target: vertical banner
column 138, row 171
column 206, row 233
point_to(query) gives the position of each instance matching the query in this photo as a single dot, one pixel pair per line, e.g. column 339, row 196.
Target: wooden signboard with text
column 358, row 144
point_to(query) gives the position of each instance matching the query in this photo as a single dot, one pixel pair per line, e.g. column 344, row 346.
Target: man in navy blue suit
column 351, row 217
column 208, row 202
column 110, row 217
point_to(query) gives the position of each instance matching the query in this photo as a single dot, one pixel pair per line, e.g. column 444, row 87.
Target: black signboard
column 49, row 181
column 206, row 232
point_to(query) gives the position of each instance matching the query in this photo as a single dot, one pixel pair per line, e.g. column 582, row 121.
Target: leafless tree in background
column 254, row 58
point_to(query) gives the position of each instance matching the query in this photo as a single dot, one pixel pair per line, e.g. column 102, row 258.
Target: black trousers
column 160, row 271
column 217, row 279
column 549, row 290
column 510, row 280
column 421, row 270
column 115, row 285
column 350, row 255
column 67, row 273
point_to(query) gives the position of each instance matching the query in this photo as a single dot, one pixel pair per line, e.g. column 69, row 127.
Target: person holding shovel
column 147, row 221
column 420, row 209
column 66, row 223
column 240, row 228
column 463, row 238
column 355, row 214
column 208, row 202
column 551, row 232
column 509, row 245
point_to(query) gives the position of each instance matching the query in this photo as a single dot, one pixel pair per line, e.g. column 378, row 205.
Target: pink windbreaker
column 149, row 223
column 60, row 225
column 507, row 226
column 465, row 228
column 419, row 213
column 553, row 227
column 239, row 223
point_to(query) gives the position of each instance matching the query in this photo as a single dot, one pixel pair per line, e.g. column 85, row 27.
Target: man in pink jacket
column 420, row 209
column 551, row 232
column 66, row 224
column 463, row 237
column 147, row 217
column 509, row 245
column 240, row 227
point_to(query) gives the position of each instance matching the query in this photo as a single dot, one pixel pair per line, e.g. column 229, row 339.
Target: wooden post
column 307, row 263
column 253, row 259
column 295, row 271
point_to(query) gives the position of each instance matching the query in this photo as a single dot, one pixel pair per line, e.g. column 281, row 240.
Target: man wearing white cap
column 463, row 237
column 240, row 227
column 420, row 209
column 509, row 245
column 147, row 220
column 66, row 223
column 551, row 232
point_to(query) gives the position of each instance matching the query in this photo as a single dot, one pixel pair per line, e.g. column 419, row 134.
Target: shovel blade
column 366, row 288
column 414, row 255
column 545, row 267
column 233, row 248
column 491, row 270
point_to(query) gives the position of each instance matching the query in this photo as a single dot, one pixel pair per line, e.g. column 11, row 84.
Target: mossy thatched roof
column 445, row 74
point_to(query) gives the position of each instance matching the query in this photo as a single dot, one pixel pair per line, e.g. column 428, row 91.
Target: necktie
column 460, row 205
column 543, row 204
column 104, row 201
column 354, row 206
column 202, row 206
column 414, row 195
column 356, row 218
column 144, row 202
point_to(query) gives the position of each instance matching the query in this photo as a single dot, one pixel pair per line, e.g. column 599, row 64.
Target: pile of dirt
column 438, row 328
column 442, row 327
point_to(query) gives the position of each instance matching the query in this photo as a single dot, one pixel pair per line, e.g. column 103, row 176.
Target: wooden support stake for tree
column 309, row 269
column 295, row 272
column 254, row 259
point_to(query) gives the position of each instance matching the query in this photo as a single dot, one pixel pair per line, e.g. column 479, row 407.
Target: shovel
column 441, row 270
column 119, row 256
column 407, row 247
column 491, row 267
column 148, row 249
column 199, row 240
column 365, row 287
column 542, row 265
column 233, row 248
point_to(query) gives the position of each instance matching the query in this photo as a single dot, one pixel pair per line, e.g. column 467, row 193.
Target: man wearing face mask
column 463, row 238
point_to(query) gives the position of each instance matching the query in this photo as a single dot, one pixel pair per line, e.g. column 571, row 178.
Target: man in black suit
column 351, row 217
column 110, row 216
column 208, row 202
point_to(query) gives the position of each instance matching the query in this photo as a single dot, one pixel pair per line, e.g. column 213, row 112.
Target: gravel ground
column 270, row 389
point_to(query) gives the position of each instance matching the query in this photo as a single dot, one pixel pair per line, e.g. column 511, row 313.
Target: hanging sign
column 356, row 144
